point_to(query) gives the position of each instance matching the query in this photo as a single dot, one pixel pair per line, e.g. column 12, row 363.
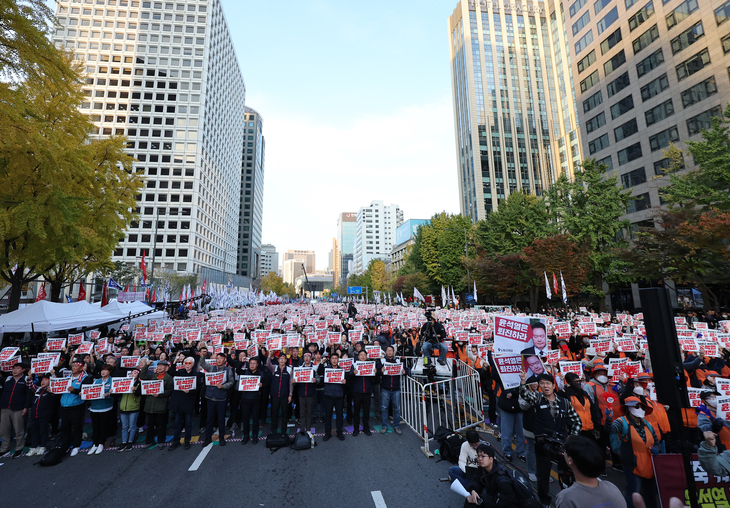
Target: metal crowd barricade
column 454, row 403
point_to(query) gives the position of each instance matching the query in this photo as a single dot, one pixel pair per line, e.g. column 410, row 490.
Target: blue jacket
column 15, row 395
column 105, row 404
column 73, row 398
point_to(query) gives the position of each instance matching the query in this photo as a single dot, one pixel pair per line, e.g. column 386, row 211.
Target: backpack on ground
column 276, row 441
column 520, row 485
column 451, row 447
column 303, row 441
column 52, row 457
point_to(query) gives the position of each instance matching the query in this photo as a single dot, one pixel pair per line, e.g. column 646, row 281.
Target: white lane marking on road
column 201, row 457
column 378, row 499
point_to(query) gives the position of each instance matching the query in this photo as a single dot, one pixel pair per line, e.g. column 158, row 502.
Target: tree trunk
column 598, row 281
column 16, row 292
column 56, row 287
column 533, row 293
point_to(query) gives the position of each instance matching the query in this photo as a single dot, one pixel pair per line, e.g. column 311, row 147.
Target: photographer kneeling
column 491, row 486
column 554, row 419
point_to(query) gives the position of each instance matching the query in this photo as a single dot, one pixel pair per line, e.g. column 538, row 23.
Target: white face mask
column 638, row 390
column 602, row 379
column 711, row 402
column 637, row 412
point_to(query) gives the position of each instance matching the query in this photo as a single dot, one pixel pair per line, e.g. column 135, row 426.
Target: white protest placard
column 334, row 375
column 625, row 345
column 215, row 378
column 55, row 356
column 152, row 387
column 365, row 368
column 513, row 335
column 722, row 385
column 631, row 369
column 248, row 383
column 708, row 348
column 561, row 329
column 574, row 367
column 85, row 348
column 303, row 375
column 184, row 383
column 293, row 340
column 75, row 339
column 129, row 362
column 601, row 345
column 55, row 344
column 92, row 392
column 8, row 365
column 723, row 407
column 694, row 396
column 241, row 344
column 699, row 325
column 7, row 353
column 689, row 345
column 475, row 339
column 41, row 365
column 273, row 343
column 60, row 385
column 345, row 364
column 392, row 369
column 509, row 368
column 94, row 335
column 374, row 352
column 553, row 355
column 333, row 338
column 122, row 385
column 588, row 329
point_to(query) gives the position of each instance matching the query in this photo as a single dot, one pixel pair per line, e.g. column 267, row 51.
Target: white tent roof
column 45, row 316
column 123, row 310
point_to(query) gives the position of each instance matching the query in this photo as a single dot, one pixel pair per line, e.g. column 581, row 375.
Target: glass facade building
column 513, row 100
column 252, row 196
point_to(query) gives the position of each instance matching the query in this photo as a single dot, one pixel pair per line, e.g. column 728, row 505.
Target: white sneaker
column 31, row 452
column 75, row 451
column 532, row 477
column 91, row 450
column 40, row 451
column 99, row 449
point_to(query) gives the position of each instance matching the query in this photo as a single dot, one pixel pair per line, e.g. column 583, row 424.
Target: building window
column 688, row 37
column 598, row 144
column 702, row 121
column 633, row 178
column 681, row 13
column 629, row 4
column 599, row 5
column 608, row 161
column 587, row 61
column 577, row 5
column 596, row 122
column 608, row 20
column 589, row 82
column 722, row 13
column 662, row 139
column 654, row 87
column 726, row 44
column 584, row 41
column 618, row 84
column 581, row 22
column 622, row 106
column 645, row 39
column 663, row 166
column 629, row 154
column 693, row 64
column 641, row 16
column 591, row 102
column 650, row 63
column 642, row 202
column 659, row 113
column 611, row 41
column 699, row 92
column 627, row 129
column 615, row 62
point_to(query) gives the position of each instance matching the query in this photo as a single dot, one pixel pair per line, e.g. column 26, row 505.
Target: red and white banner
column 303, row 375
column 723, row 407
column 722, row 385
column 60, row 385
column 709, row 348
column 129, row 362
column 274, row 343
column 333, row 338
column 56, row 344
column 512, row 335
column 509, row 368
column 85, row 348
column 92, row 392
column 601, row 345
column 94, row 335
column 631, row 369
column 392, row 369
column 41, row 365
column 215, row 378
column 374, row 352
column 574, row 367
column 56, row 357
column 153, row 387
column 625, row 345
column 122, row 385
column 694, row 396
column 588, row 329
column 334, row 375
column 75, row 339
column 248, row 383
column 346, row 364
column 365, row 368
column 7, row 353
column 184, row 382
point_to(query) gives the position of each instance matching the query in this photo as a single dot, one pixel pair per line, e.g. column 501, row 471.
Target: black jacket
column 181, row 402
column 264, row 374
column 16, row 396
column 42, row 404
column 495, row 488
column 391, row 383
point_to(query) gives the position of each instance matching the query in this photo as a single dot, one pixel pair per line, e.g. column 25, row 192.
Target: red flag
column 555, row 284
column 191, row 297
column 82, row 292
column 143, row 266
column 127, row 287
column 205, row 283
column 41, row 293
column 147, row 294
column 104, row 296
column 154, row 295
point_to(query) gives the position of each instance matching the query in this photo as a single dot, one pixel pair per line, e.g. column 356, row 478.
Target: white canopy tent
column 124, row 310
column 45, row 316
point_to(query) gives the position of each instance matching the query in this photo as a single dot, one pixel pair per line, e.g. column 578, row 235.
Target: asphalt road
column 361, row 472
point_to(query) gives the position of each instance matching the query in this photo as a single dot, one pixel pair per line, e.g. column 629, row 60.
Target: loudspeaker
column 666, row 357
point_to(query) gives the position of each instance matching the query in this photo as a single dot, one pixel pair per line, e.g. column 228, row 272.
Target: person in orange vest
column 599, row 390
column 658, row 416
column 707, row 420
column 590, row 415
column 634, row 440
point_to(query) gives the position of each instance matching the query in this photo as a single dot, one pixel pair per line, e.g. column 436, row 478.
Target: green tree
column 589, row 209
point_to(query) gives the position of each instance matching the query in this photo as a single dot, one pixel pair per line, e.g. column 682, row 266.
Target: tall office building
column 335, row 262
column 308, row 257
column 375, row 234
column 252, row 196
column 269, row 260
column 165, row 74
column 346, row 224
column 513, row 101
column 648, row 74
column 292, row 269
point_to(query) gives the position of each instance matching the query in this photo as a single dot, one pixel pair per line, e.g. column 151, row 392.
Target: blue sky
column 356, row 101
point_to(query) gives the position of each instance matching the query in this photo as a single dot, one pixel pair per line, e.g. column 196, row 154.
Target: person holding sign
column 217, row 397
column 103, row 419
column 250, row 400
column 182, row 402
column 40, row 416
column 362, row 392
column 709, row 420
column 15, row 400
column 129, row 406
column 390, row 391
column 155, row 406
column 334, row 394
column 306, row 390
column 282, row 389
column 73, row 408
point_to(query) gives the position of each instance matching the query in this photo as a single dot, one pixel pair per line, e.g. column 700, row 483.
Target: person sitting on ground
column 491, row 484
column 586, row 460
column 468, row 464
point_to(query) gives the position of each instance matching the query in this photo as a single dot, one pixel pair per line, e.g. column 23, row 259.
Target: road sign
column 354, row 290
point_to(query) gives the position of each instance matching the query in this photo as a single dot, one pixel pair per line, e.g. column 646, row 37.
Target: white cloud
column 316, row 170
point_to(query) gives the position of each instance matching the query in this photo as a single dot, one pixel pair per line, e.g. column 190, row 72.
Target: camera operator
column 432, row 333
column 554, row 419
